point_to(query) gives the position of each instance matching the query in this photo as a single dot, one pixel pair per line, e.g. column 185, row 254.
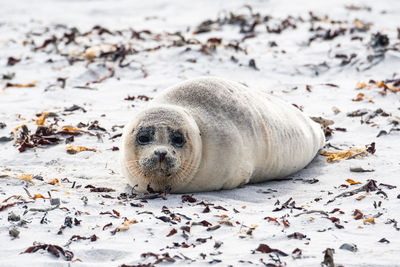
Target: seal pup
column 210, row 133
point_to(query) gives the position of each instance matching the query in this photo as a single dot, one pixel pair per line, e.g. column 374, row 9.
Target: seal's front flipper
column 244, row 173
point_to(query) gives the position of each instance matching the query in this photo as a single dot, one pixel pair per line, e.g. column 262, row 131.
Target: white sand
column 278, row 73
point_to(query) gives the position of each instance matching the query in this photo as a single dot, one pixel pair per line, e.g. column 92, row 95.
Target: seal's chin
column 162, row 173
column 160, row 179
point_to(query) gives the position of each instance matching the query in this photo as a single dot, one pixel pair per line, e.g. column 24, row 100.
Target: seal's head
column 161, row 148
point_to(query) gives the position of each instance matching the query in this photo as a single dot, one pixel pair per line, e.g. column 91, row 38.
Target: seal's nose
column 160, row 154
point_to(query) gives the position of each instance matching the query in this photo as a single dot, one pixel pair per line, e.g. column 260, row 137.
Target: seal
column 209, row 134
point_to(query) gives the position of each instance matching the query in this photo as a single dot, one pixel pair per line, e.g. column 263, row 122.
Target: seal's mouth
column 159, row 170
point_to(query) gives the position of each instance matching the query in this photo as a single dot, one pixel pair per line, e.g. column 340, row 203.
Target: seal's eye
column 176, row 138
column 145, row 135
column 143, row 139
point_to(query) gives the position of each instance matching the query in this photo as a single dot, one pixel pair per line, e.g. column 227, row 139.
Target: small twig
column 27, row 192
column 85, row 87
column 357, row 190
column 312, row 211
column 335, row 147
column 360, row 169
column 363, row 153
column 44, row 210
column 148, row 196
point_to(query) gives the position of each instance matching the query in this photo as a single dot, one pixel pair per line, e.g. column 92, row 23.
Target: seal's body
column 209, row 134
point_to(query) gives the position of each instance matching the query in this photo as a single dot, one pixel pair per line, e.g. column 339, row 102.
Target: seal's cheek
column 186, row 153
column 173, row 164
column 147, row 164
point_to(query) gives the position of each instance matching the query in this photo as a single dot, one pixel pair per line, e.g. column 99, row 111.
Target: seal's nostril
column 161, row 155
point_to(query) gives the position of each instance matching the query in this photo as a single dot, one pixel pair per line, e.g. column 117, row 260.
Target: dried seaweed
column 3, row 207
column 52, row 249
column 297, row 235
column 11, row 61
column 263, row 248
column 328, row 257
column 368, row 187
column 188, row 198
column 289, row 204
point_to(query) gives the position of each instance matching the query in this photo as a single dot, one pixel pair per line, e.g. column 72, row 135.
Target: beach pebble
column 13, row 232
column 349, row 247
column 55, row 201
column 12, row 217
column 360, row 169
column 336, row 110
